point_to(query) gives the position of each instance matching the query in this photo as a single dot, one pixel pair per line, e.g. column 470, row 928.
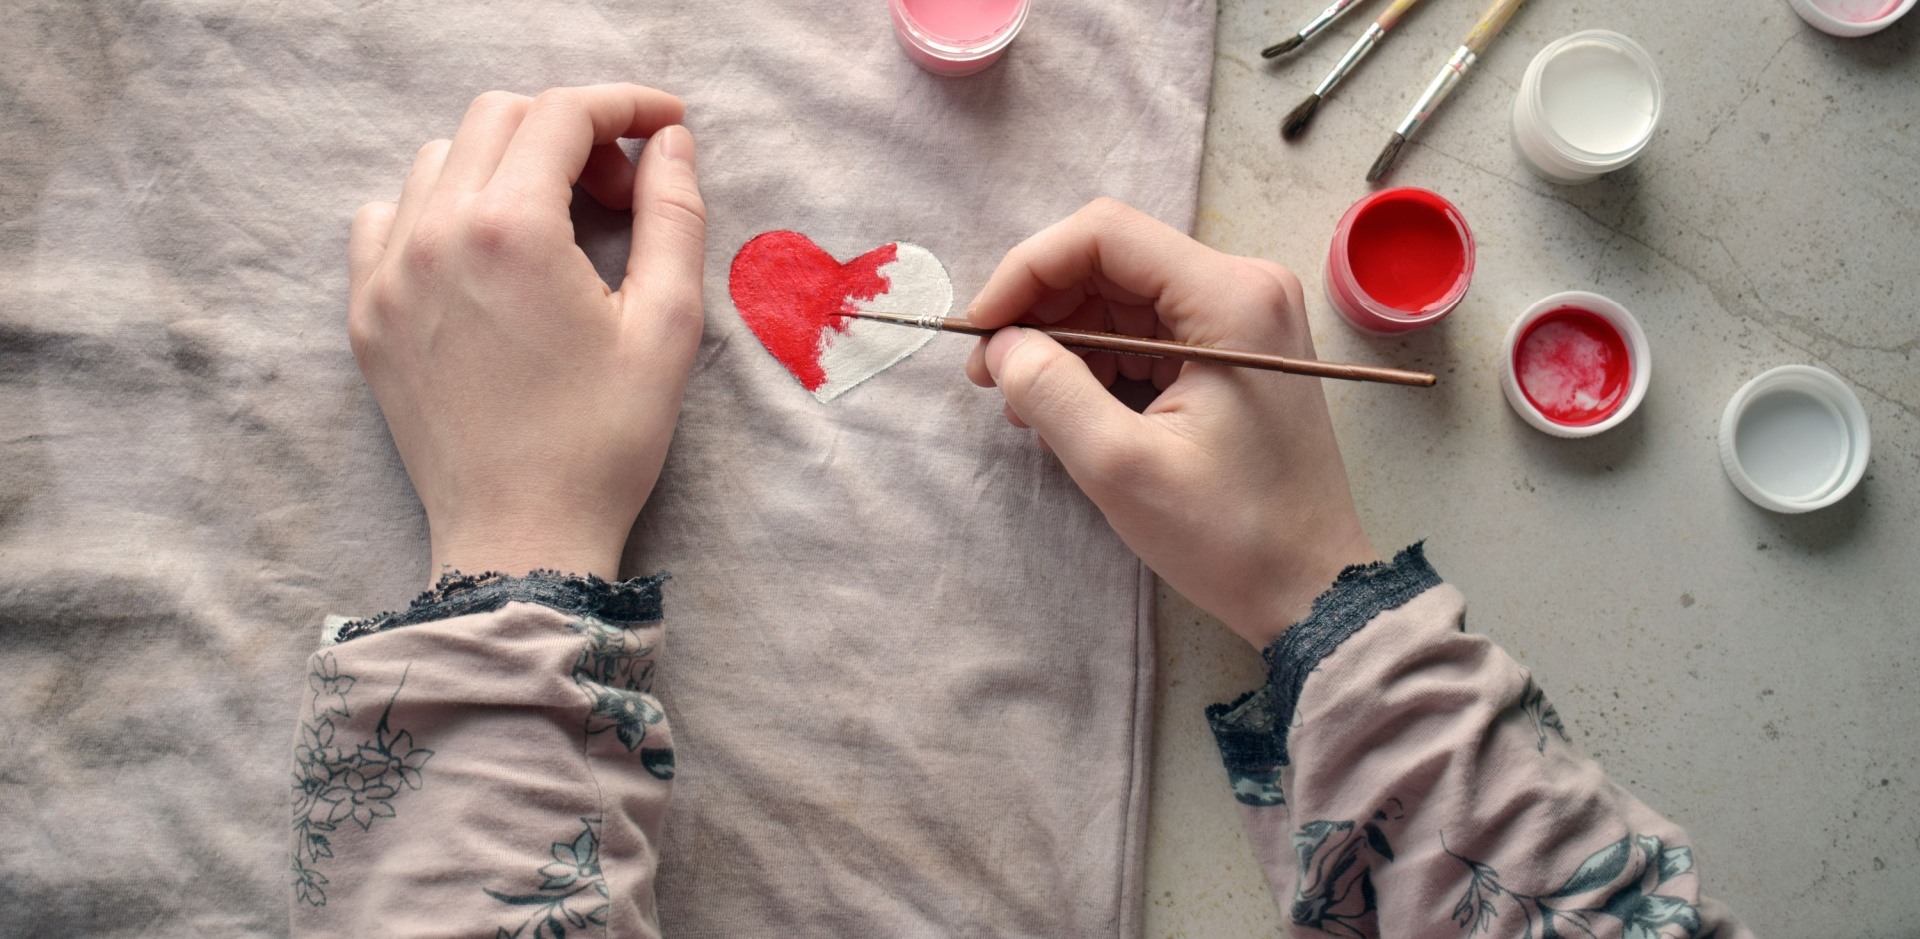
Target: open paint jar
column 957, row 37
column 1851, row 17
column 1588, row 105
column 1575, row 364
column 1795, row 439
column 1401, row 259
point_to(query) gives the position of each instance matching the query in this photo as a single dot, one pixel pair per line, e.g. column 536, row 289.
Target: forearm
column 491, row 758
column 1403, row 777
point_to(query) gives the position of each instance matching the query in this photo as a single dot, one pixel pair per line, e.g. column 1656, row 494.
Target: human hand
column 531, row 405
column 1230, row 485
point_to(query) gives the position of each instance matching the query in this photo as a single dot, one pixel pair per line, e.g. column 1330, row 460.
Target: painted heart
column 789, row 290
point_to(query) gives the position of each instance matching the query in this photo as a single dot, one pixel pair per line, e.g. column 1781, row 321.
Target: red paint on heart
column 790, row 292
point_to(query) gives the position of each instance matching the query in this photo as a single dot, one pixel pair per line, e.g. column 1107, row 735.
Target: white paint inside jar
column 1857, row 11
column 1792, row 444
column 1596, row 97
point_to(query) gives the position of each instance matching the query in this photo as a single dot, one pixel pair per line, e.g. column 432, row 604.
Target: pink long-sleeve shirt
column 492, row 762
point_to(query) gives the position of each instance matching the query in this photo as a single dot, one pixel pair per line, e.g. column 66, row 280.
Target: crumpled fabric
column 912, row 664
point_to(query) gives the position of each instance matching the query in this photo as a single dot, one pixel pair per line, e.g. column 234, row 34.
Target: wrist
column 1299, row 579
column 515, row 545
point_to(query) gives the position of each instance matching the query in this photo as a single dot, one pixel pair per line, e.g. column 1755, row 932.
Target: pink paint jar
column 1401, row 259
column 957, row 37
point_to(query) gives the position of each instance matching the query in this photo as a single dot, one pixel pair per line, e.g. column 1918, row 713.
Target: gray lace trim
column 623, row 603
column 1252, row 730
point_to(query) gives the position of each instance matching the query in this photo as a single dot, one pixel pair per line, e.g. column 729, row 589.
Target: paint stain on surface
column 790, row 292
column 1573, row 366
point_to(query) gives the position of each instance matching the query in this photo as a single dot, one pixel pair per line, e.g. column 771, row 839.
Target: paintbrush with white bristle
column 1296, row 122
column 1491, row 22
column 1321, row 22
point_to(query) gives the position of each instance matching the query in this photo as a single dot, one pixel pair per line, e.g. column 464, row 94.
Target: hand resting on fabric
column 1230, row 485
column 531, row 405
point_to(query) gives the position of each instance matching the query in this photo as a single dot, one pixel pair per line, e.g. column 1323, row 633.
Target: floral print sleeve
column 1399, row 776
column 490, row 761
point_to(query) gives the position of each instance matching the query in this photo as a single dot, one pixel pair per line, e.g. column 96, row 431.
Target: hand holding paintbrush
column 1296, row 122
column 1491, row 22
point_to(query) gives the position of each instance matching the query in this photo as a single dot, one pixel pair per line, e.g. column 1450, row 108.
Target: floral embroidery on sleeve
column 1533, row 702
column 572, row 890
column 1335, row 893
column 335, row 783
column 1615, row 883
column 616, row 671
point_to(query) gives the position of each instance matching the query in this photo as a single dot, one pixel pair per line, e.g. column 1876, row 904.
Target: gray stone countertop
column 1751, row 675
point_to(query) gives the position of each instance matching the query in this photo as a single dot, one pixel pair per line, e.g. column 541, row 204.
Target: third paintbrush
column 1296, row 122
column 1491, row 22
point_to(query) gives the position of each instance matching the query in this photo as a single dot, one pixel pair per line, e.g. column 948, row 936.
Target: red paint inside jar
column 1408, row 251
column 1573, row 366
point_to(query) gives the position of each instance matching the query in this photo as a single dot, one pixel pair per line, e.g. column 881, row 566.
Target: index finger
column 1107, row 240
column 550, row 149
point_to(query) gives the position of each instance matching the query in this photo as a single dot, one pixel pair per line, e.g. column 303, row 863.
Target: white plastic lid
column 1795, row 439
column 1639, row 362
column 1850, row 17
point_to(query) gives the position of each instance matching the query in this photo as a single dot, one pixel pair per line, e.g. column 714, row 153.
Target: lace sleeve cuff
column 621, row 603
column 1252, row 730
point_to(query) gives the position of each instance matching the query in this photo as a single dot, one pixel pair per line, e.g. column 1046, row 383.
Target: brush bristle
column 1387, row 156
column 1296, row 122
column 1279, row 49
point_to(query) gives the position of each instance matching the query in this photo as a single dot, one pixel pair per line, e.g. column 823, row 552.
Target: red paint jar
column 1401, row 259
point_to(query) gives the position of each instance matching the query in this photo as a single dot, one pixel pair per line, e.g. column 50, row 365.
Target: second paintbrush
column 1491, row 22
column 1168, row 349
column 1296, row 122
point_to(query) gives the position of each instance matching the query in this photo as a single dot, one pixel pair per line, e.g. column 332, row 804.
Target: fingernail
column 1002, row 345
column 676, row 143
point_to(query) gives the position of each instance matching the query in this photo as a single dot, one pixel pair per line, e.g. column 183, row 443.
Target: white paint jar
column 1588, row 105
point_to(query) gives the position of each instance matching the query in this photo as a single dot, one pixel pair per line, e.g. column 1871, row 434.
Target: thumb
column 1054, row 392
column 669, row 253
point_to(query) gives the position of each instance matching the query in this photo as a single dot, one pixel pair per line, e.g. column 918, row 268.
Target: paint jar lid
column 1581, row 415
column 1795, row 439
column 1850, row 17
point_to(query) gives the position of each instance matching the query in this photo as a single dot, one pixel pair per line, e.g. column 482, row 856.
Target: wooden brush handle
column 1393, row 13
column 1491, row 22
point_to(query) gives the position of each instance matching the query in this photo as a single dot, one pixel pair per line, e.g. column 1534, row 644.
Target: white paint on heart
column 917, row 285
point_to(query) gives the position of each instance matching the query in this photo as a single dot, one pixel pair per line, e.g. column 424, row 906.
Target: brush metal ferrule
column 1326, row 18
column 1437, row 92
column 1351, row 60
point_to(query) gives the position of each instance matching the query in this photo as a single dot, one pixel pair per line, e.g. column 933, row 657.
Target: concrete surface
column 1750, row 674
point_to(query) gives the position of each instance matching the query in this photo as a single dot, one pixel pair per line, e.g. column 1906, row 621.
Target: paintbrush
column 1296, row 122
column 1167, row 349
column 1295, row 41
column 1491, row 22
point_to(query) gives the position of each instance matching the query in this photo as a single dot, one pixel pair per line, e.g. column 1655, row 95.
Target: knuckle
column 496, row 223
column 496, row 100
column 425, row 250
column 431, row 148
column 381, row 298
column 1273, row 287
column 558, row 99
column 1107, row 208
column 359, row 332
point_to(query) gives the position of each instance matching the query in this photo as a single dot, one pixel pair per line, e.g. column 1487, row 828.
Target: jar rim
column 926, row 41
column 1533, row 87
